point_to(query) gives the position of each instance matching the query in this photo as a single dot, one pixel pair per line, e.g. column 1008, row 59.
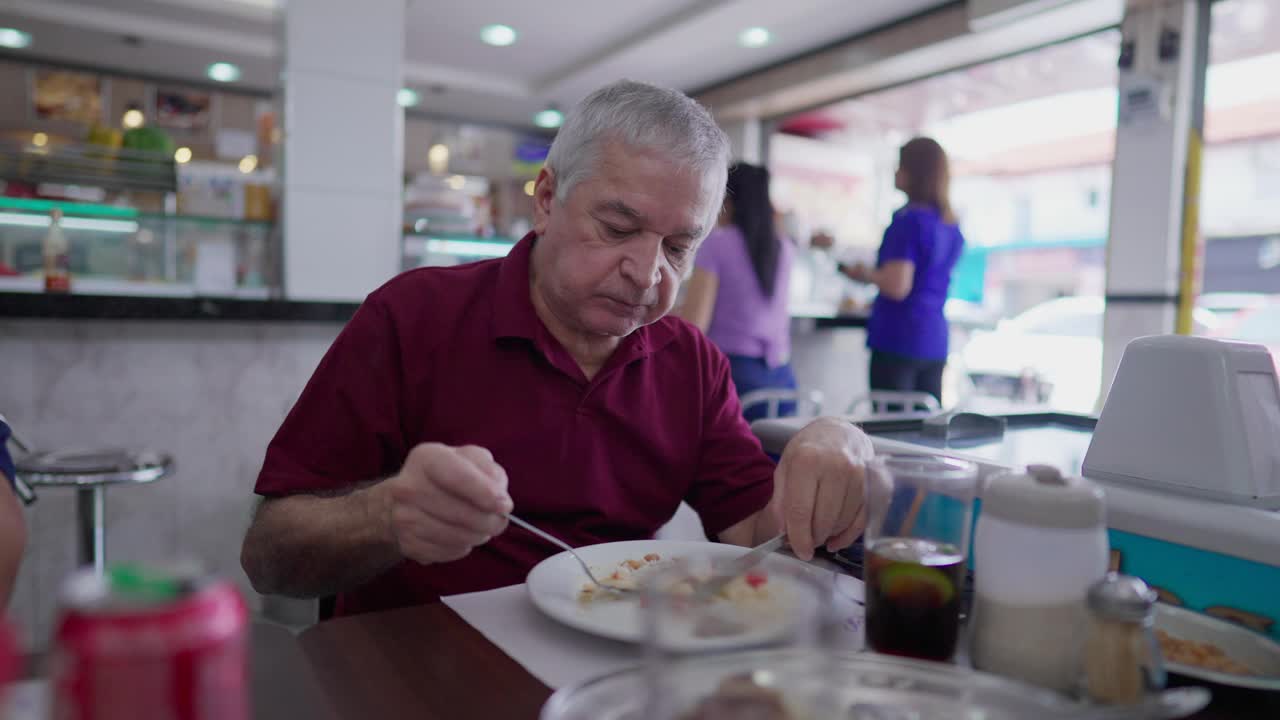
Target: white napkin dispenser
column 1193, row 416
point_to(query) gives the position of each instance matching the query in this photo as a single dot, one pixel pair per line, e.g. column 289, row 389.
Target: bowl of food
column 700, row 604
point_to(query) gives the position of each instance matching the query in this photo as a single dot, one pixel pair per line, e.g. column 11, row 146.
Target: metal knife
column 741, row 564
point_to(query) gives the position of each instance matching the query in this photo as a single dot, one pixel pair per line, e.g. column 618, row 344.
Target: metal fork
column 565, row 546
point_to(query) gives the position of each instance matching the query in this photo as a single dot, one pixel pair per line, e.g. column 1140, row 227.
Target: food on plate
column 740, row 698
column 623, row 577
column 747, row 588
column 1206, row 656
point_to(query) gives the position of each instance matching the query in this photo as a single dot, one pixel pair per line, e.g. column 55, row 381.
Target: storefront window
column 1239, row 218
column 1030, row 139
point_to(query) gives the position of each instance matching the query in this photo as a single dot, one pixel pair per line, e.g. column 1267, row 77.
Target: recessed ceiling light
column 407, row 97
column 14, row 38
column 40, row 139
column 223, row 72
column 133, row 118
column 498, row 35
column 529, row 187
column 182, row 155
column 248, row 164
column 549, row 118
column 754, row 37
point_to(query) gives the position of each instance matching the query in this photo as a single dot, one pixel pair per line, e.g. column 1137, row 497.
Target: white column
column 1160, row 100
column 343, row 147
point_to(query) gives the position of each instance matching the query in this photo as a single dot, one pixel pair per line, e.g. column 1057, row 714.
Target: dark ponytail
column 753, row 214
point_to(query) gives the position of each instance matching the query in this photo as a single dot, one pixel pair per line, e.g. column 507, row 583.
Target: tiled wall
column 211, row 394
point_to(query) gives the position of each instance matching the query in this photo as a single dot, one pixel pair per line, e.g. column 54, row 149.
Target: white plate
column 1258, row 652
column 555, row 583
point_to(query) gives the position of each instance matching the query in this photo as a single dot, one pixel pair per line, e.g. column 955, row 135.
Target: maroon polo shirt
column 458, row 356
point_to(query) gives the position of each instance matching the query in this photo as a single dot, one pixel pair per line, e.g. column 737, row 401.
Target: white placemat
column 558, row 655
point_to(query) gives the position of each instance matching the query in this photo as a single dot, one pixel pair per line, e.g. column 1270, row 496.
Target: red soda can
column 141, row 645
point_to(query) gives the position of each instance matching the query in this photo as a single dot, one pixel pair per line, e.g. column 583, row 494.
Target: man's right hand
column 445, row 501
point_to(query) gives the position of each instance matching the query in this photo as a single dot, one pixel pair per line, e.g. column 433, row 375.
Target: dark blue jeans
column 751, row 373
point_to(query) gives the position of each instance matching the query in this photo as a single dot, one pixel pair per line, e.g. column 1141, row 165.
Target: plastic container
column 1041, row 542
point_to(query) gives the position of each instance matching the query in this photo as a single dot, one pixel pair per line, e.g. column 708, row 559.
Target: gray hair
column 641, row 116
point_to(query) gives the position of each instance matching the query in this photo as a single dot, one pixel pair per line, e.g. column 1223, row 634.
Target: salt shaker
column 1122, row 659
column 1041, row 542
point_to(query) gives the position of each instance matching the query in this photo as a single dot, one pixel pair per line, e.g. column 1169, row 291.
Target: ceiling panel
column 551, row 35
column 565, row 48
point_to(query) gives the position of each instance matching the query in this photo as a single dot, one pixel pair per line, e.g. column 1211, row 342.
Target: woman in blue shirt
column 907, row 331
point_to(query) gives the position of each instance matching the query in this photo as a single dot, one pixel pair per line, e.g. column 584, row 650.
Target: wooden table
column 284, row 683
column 427, row 663
column 421, row 662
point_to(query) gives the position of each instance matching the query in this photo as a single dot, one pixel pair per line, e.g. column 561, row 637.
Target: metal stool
column 90, row 472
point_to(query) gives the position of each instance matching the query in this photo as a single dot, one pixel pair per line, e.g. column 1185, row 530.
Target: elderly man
column 550, row 384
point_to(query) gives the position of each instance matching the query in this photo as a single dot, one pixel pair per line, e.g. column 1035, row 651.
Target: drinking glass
column 920, row 509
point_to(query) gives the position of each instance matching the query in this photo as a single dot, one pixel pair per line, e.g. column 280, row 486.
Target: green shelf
column 72, row 209
column 91, row 211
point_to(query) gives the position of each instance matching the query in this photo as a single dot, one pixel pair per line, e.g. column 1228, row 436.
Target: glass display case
column 422, row 250
column 116, row 250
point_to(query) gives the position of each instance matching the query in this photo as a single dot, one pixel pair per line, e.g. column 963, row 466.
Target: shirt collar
column 514, row 314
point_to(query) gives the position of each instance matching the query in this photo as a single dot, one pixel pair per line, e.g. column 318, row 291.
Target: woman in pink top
column 740, row 285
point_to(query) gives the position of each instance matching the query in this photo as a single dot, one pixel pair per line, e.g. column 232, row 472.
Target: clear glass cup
column 759, row 645
column 919, row 515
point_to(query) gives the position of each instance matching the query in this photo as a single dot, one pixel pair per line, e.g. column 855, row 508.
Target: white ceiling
column 565, row 47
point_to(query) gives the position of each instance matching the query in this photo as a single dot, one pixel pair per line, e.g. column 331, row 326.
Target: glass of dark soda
column 920, row 509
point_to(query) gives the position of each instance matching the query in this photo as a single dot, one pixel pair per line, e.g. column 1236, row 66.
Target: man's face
column 610, row 258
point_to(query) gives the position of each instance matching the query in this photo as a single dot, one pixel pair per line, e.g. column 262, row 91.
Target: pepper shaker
column 1122, row 658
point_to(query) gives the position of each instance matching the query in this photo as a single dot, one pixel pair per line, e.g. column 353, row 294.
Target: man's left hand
column 819, row 486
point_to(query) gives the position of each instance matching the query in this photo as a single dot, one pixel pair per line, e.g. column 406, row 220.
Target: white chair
column 807, row 404
column 894, row 404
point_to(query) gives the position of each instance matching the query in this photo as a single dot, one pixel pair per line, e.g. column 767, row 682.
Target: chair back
column 808, row 404
column 894, row 403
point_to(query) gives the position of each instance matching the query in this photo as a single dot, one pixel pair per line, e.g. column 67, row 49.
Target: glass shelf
column 120, row 251
column 205, row 220
column 99, row 166
column 423, row 249
column 38, row 206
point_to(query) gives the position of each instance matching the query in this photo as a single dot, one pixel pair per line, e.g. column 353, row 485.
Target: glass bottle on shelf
column 57, row 256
